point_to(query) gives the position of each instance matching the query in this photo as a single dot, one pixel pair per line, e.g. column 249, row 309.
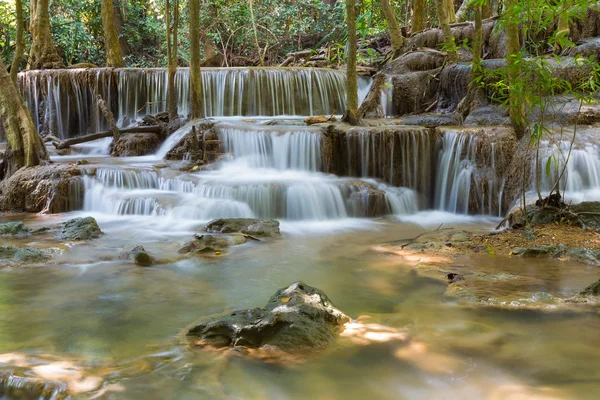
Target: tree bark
column 24, row 145
column 20, row 42
column 351, row 114
column 451, row 11
column 65, row 144
column 43, row 52
column 119, row 26
column 418, row 18
column 114, row 58
column 444, row 21
column 172, row 57
column 196, row 106
column 394, row 28
column 461, row 14
column 513, row 50
column 478, row 39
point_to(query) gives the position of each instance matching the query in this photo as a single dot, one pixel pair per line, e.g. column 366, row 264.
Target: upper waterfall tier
column 63, row 102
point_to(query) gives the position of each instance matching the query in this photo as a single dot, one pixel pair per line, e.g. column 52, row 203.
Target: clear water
column 121, row 322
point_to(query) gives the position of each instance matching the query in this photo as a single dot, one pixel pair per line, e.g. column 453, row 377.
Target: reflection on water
column 119, row 323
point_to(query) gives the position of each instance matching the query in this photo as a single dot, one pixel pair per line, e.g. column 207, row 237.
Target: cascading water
column 581, row 178
column 270, row 172
column 63, row 102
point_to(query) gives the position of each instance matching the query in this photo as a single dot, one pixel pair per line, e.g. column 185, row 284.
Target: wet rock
column 80, row 229
column 212, row 243
column 139, row 256
column 247, row 226
column 586, row 214
column 535, row 252
column 18, row 387
column 50, row 189
column 488, row 116
column 296, row 317
column 136, row 144
column 583, row 255
column 14, row 228
column 454, row 277
column 22, row 254
column 193, row 145
column 317, row 119
column 592, row 290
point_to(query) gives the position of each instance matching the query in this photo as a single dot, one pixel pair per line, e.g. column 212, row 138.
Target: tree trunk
column 20, row 42
column 486, row 10
column 43, row 52
column 451, row 11
column 394, row 28
column 478, row 39
column 172, row 57
column 444, row 21
column 418, row 17
column 111, row 37
column 351, row 114
column 24, row 145
column 119, row 26
column 196, row 106
column 513, row 50
column 563, row 31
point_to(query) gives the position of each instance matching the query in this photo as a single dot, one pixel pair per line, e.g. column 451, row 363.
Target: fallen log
column 65, row 144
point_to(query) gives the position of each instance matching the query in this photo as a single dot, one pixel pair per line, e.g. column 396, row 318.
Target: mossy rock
column 22, row 254
column 14, row 228
column 139, row 256
column 296, row 317
column 592, row 290
column 248, row 226
column 80, row 229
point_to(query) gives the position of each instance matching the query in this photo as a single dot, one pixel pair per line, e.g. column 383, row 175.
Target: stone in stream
column 212, row 243
column 18, row 387
column 50, row 189
column 136, row 144
column 247, row 226
column 296, row 317
column 80, row 229
column 139, row 256
column 14, row 229
column 22, row 254
column 592, row 290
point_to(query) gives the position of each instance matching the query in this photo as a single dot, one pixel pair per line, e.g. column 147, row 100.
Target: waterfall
column 456, row 165
column 63, row 102
column 582, row 174
column 272, row 171
column 278, row 147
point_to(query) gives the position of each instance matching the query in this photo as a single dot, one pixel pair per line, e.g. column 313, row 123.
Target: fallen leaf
column 285, row 299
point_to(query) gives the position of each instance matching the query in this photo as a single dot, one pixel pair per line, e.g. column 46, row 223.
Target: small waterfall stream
column 269, row 172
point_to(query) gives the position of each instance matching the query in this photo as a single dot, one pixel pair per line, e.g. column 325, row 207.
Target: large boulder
column 80, row 229
column 247, row 226
column 136, row 144
column 14, row 229
column 296, row 317
column 53, row 188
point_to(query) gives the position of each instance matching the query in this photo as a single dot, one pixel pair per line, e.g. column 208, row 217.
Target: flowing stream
column 120, row 322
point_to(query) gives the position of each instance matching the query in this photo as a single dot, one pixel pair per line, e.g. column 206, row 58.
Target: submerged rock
column 296, row 317
column 80, row 229
column 18, row 387
column 592, row 290
column 139, row 256
column 22, row 254
column 51, row 189
column 208, row 243
column 247, row 226
column 14, row 228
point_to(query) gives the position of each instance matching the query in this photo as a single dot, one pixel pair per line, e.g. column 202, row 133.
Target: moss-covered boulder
column 14, row 229
column 80, row 229
column 247, row 226
column 592, row 290
column 296, row 317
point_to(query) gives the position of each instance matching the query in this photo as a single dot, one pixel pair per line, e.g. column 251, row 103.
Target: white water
column 272, row 172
